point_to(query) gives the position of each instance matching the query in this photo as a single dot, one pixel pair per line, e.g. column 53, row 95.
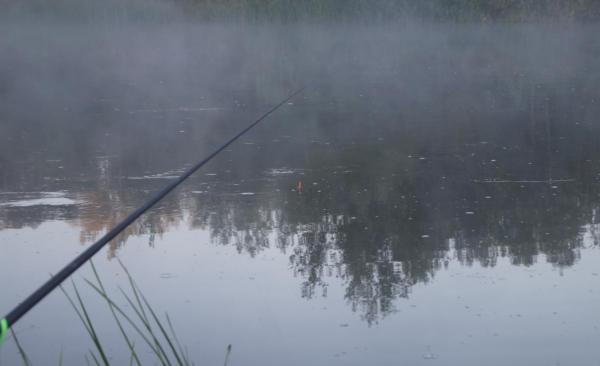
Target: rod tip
column 3, row 330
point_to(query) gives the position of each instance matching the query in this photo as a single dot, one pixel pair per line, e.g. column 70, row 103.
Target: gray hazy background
column 448, row 154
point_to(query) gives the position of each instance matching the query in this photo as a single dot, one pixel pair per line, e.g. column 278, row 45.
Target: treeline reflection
column 381, row 207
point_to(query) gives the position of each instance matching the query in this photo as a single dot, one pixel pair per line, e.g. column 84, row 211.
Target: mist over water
column 431, row 197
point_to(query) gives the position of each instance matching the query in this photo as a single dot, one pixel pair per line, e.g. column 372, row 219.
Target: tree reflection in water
column 398, row 183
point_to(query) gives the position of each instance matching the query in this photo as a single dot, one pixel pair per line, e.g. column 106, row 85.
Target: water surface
column 432, row 197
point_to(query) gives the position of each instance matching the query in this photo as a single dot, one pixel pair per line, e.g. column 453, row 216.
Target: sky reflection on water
column 453, row 221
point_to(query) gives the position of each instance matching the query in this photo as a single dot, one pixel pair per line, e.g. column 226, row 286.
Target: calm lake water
column 431, row 198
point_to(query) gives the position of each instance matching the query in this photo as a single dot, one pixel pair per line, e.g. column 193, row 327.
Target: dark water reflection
column 383, row 200
column 462, row 150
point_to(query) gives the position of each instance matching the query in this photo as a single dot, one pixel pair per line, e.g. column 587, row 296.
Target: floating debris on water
column 178, row 109
column 523, row 181
column 166, row 175
column 154, row 177
column 34, row 199
column 281, row 171
column 58, row 201
column 429, row 356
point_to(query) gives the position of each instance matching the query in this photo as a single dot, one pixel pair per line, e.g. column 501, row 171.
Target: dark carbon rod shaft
column 14, row 315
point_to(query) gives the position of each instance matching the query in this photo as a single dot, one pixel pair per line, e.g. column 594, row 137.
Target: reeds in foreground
column 158, row 336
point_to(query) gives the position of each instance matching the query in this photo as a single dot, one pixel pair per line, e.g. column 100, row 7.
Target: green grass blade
column 162, row 330
column 185, row 356
column 148, row 327
column 140, row 310
column 130, row 321
column 24, row 357
column 94, row 358
column 141, row 313
column 95, row 338
column 112, row 310
column 76, row 309
column 144, row 313
column 132, row 283
column 227, row 354
column 132, row 354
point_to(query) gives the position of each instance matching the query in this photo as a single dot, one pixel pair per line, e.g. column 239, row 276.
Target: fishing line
column 11, row 318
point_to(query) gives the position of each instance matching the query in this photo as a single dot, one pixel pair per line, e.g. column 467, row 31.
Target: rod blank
column 14, row 315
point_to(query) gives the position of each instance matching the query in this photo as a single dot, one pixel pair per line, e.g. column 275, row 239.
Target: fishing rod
column 11, row 318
